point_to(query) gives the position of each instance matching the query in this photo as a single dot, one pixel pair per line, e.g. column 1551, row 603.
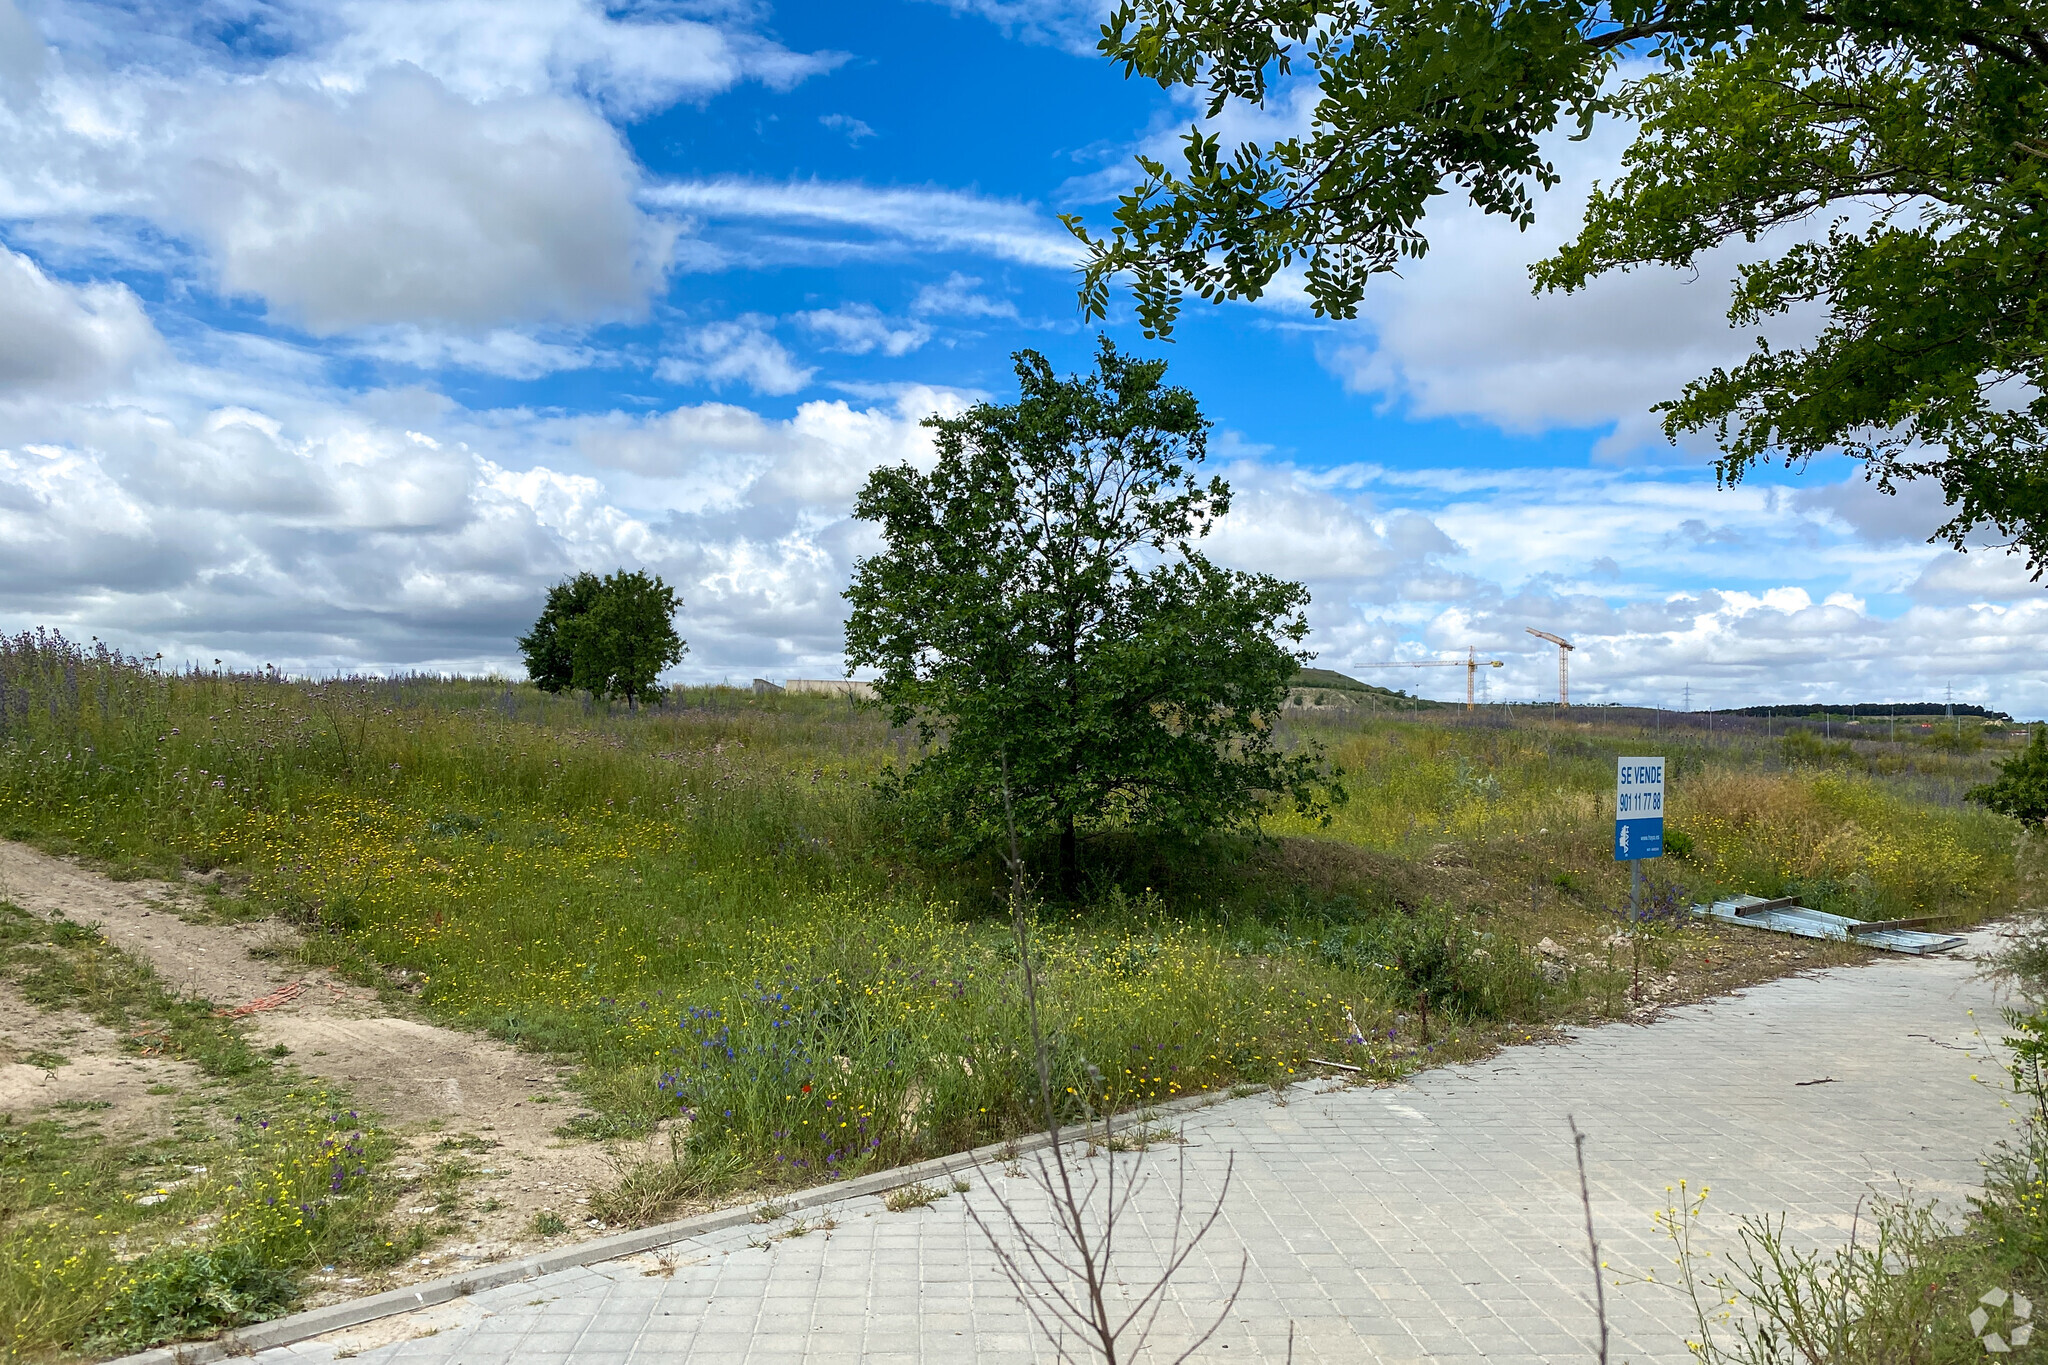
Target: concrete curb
column 316, row 1322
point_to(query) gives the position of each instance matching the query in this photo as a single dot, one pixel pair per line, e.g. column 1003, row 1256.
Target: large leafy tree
column 1040, row 610
column 610, row 636
column 1908, row 137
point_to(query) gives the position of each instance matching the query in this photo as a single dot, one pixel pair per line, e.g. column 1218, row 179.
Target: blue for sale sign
column 1639, row 809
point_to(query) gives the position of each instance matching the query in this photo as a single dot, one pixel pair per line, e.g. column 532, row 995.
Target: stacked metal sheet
column 1787, row 916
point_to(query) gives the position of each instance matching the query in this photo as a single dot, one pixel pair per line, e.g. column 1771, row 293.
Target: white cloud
column 489, row 50
column 858, row 328
column 956, row 298
column 509, row 354
column 897, row 218
column 401, row 203
column 21, row 55
column 740, row 351
column 391, row 532
column 208, row 515
column 446, row 164
column 1620, row 563
column 1074, row 25
column 62, row 338
column 851, row 128
column 1909, row 514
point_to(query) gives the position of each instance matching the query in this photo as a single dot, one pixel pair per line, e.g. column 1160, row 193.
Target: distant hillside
column 1329, row 680
column 1868, row 710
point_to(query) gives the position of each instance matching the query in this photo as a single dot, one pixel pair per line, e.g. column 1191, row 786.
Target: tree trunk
column 1070, row 860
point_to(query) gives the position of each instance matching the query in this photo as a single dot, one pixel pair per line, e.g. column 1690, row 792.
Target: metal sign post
column 1638, row 820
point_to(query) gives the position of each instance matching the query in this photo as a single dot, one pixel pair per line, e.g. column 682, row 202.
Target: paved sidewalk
column 1437, row 1220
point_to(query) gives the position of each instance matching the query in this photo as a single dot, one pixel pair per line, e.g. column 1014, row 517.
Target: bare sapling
column 1063, row 1274
column 1592, row 1240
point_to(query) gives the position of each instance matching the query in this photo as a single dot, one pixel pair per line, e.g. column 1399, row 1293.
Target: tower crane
column 1471, row 663
column 1564, row 657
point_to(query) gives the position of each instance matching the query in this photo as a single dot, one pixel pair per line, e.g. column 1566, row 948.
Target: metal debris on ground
column 282, row 995
column 1787, row 916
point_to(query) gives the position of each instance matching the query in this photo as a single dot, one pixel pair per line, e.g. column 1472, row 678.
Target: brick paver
column 1435, row 1220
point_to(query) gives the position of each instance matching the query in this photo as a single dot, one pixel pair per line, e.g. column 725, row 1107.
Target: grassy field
column 704, row 904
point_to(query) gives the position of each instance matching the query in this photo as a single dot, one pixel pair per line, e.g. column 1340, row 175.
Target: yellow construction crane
column 1471, row 663
column 1564, row 658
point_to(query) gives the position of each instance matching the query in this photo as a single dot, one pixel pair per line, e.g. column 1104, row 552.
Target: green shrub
column 2021, row 790
column 1433, row 957
column 190, row 1291
column 1804, row 746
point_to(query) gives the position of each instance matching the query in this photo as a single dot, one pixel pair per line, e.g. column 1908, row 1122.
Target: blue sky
column 334, row 333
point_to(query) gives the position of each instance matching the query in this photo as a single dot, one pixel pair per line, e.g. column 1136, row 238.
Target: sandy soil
column 444, row 1093
column 95, row 1077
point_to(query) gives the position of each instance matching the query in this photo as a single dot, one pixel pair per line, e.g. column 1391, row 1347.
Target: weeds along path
column 477, row 1119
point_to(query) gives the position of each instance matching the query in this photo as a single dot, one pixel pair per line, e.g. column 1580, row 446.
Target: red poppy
column 807, row 1088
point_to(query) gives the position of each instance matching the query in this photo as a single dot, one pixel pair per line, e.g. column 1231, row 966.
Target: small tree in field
column 609, row 636
column 1039, row 603
column 2021, row 790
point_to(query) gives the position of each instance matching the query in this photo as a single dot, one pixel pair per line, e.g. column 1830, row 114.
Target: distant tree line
column 1873, row 710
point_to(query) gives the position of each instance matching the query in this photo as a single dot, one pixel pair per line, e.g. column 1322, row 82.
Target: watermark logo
column 1996, row 1308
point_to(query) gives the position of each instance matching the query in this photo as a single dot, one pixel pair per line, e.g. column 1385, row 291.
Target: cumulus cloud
column 62, row 338
column 1908, row 514
column 395, row 528
column 335, row 537
column 858, row 328
column 448, row 164
column 740, row 351
column 329, row 534
column 1458, row 332
column 443, row 186
column 340, row 541
column 759, row 512
column 1663, row 583
column 403, row 203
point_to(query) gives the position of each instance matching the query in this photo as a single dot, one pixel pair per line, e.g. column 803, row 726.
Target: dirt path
column 61, row 1061
column 447, row 1094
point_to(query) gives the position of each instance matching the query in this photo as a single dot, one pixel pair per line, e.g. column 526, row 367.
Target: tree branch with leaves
column 1911, row 135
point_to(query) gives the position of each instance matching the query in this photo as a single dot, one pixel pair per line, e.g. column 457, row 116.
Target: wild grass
column 705, row 903
column 1868, row 828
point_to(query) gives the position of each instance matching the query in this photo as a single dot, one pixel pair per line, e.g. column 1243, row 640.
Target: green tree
column 2021, row 790
column 1909, row 137
column 549, row 663
column 609, row 636
column 1040, row 607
